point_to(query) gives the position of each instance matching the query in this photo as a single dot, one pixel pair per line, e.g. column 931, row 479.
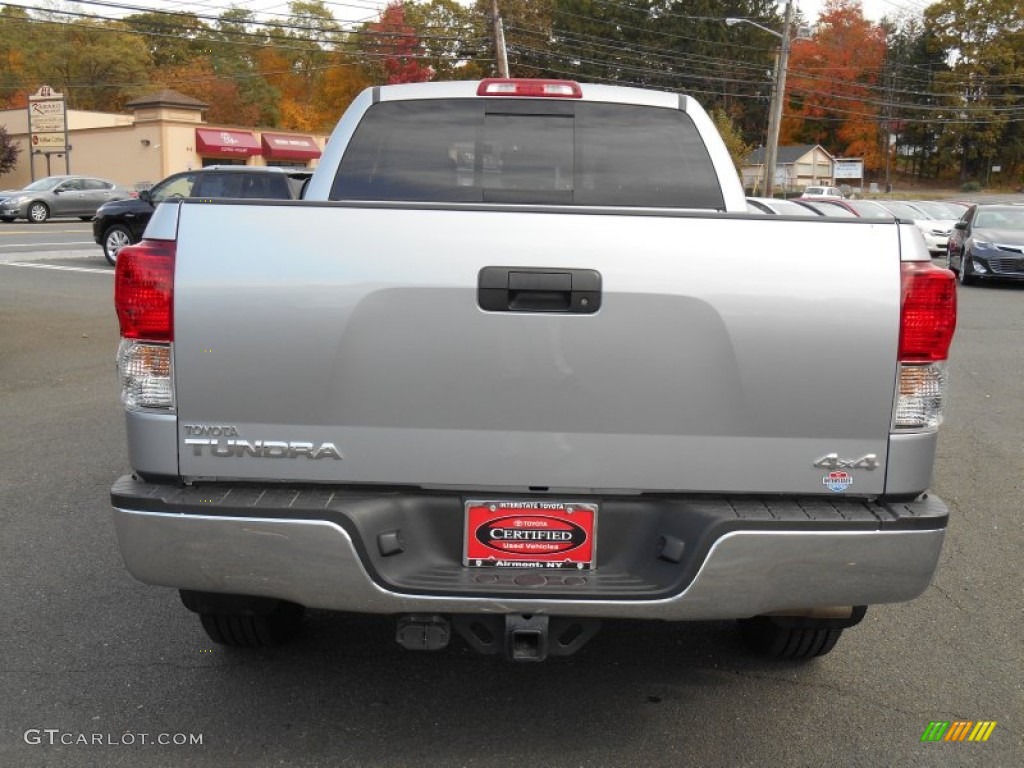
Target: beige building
column 796, row 168
column 163, row 133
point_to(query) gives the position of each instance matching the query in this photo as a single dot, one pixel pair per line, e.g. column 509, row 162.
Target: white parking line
column 37, row 245
column 58, row 267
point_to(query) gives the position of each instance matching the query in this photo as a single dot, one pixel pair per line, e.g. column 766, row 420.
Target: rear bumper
column 318, row 548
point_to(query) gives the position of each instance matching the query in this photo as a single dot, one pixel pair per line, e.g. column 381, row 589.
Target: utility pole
column 888, row 125
column 500, row 54
column 778, row 97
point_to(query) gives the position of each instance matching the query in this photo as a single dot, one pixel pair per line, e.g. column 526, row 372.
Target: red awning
column 281, row 146
column 215, row 141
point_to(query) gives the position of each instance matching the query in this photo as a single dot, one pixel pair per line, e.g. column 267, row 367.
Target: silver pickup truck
column 521, row 362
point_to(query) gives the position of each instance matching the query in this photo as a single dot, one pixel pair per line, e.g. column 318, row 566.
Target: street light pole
column 778, row 95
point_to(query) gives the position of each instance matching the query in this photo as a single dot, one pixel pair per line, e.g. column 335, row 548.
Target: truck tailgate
column 728, row 354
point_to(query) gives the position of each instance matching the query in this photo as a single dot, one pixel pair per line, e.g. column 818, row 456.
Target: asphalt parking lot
column 87, row 652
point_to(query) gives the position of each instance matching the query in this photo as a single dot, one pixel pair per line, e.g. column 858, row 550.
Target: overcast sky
column 873, row 9
column 356, row 11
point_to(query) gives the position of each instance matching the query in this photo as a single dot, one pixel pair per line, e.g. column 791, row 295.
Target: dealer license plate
column 530, row 534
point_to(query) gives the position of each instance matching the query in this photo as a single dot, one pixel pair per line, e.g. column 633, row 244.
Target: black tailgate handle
column 529, row 289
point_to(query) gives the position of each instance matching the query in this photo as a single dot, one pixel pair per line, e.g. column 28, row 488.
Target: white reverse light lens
column 920, row 398
column 146, row 377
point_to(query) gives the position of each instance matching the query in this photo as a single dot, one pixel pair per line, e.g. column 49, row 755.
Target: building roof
column 785, row 155
column 167, row 98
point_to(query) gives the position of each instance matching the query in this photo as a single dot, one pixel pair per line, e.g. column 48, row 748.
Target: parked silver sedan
column 60, row 196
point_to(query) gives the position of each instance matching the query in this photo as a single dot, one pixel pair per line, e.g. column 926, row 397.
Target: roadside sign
column 848, row 168
column 48, row 125
column 54, row 142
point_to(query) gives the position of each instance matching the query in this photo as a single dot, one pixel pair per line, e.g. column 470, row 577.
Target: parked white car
column 822, row 192
column 936, row 231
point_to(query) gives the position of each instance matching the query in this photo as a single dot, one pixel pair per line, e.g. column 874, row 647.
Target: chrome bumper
column 315, row 563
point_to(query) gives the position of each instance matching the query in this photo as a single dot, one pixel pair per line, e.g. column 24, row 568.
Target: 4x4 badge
column 832, row 461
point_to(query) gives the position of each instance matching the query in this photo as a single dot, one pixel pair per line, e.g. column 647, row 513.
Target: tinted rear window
column 527, row 151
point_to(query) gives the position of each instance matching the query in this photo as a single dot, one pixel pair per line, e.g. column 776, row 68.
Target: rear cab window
column 528, row 151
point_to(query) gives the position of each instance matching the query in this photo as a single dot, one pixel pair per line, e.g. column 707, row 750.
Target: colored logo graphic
column 958, row 730
column 837, row 481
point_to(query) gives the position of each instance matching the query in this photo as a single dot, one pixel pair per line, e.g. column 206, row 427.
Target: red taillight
column 558, row 89
column 927, row 312
column 144, row 290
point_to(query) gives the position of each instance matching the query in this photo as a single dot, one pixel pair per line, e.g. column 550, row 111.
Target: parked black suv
column 122, row 222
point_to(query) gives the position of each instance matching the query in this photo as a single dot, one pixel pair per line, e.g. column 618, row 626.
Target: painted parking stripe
column 50, row 245
column 59, row 268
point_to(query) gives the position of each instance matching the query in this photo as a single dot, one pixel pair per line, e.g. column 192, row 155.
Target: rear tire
column 245, row 622
column 238, row 631
column 794, row 638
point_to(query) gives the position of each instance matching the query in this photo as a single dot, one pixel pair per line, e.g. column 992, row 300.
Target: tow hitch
column 520, row 637
column 525, row 637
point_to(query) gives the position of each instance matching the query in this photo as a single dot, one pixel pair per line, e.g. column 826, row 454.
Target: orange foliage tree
column 340, row 83
column 831, row 79
column 393, row 47
column 199, row 80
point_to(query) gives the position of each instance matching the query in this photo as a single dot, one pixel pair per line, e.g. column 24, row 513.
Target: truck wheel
column 114, row 239
column 38, row 213
column 773, row 639
column 245, row 622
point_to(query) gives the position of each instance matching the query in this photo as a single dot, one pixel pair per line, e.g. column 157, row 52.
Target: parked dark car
column 122, row 223
column 59, row 196
column 988, row 242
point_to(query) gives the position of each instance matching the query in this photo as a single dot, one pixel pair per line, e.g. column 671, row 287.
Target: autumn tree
column 392, row 49
column 234, row 47
column 731, row 135
column 15, row 51
column 452, row 38
column 198, row 79
column 298, row 53
column 983, row 93
column 343, row 80
column 173, row 39
column 831, row 97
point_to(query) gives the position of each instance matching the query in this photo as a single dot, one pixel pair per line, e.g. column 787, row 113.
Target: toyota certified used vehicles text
column 988, row 242
column 59, row 196
column 123, row 222
column 516, row 364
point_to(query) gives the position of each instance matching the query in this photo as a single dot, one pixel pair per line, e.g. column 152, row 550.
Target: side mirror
column 146, row 195
column 960, row 225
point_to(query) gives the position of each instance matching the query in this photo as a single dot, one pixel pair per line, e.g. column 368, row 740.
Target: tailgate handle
column 529, row 289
